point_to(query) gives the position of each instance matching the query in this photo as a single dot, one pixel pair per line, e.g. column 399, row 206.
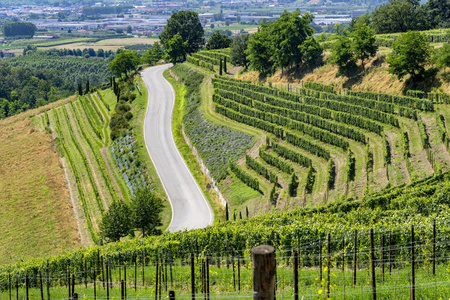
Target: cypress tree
column 220, row 67
column 240, row 215
column 227, row 216
column 80, row 89
column 246, row 211
column 225, row 64
column 87, row 87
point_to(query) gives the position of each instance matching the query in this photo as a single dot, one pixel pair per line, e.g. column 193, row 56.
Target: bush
column 132, row 97
column 128, row 115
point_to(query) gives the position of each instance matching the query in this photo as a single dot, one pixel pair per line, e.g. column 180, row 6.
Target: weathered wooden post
column 192, row 277
column 171, row 295
column 264, row 266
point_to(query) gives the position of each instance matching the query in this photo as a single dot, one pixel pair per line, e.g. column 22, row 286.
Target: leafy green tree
column 129, row 29
column 410, row 54
column 125, row 61
column 218, row 41
column 116, row 222
column 259, row 49
column 220, row 67
column 287, row 35
column 176, row 48
column 154, row 54
column 439, row 11
column 19, row 29
column 87, row 87
column 399, row 16
column 238, row 50
column 342, row 56
column 364, row 42
column 146, row 210
column 187, row 24
column 442, row 57
column 311, row 51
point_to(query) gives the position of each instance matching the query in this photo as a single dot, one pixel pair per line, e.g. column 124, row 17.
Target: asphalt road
column 190, row 208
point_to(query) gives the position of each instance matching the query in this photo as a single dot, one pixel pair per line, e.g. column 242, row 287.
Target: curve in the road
column 190, row 208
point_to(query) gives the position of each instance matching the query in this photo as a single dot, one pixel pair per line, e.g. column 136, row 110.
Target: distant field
column 36, row 215
column 109, row 44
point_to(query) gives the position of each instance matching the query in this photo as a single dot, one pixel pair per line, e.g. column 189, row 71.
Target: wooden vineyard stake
column 355, row 257
column 372, row 259
column 295, row 267
column 264, row 266
column 192, row 277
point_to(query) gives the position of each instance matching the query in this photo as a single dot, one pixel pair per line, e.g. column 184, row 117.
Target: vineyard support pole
column 434, row 247
column 390, row 252
column 95, row 285
column 413, row 269
column 192, row 277
column 41, row 287
column 9, row 286
column 355, row 257
column 207, row 277
column 218, row 254
column 382, row 257
column 103, row 272
column 107, row 283
column 170, row 266
column 239, row 273
column 157, row 280
column 328, row 265
column 135, row 273
column 295, row 267
column 232, row 263
column 26, row 286
column 372, row 259
column 85, row 273
column 320, row 261
column 122, row 290
column 125, row 279
column 17, row 288
column 73, row 283
column 343, row 254
column 171, row 295
column 264, row 266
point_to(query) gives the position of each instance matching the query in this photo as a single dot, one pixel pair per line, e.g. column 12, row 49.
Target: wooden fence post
column 171, row 295
column 264, row 266
column 26, row 286
column 372, row 259
column 434, row 247
column 328, row 266
column 295, row 263
column 192, row 277
column 413, row 269
column 355, row 257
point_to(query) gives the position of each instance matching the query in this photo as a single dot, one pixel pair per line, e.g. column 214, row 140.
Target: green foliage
column 124, row 62
column 331, row 174
column 440, row 121
column 292, row 186
column 291, row 155
column 363, row 42
column 369, row 159
column 342, row 56
column 405, row 145
column 423, row 134
column 187, row 24
column 319, row 87
column 11, row 29
column 386, row 150
column 350, row 167
column 260, row 169
column 154, row 54
column 239, row 49
column 176, row 48
column 278, row 43
column 443, row 56
column 146, row 208
column 218, row 41
column 220, row 67
column 244, row 176
column 275, row 161
column 116, row 222
column 310, row 179
column 410, row 53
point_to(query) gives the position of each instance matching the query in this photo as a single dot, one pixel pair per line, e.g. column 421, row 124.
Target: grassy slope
column 36, row 216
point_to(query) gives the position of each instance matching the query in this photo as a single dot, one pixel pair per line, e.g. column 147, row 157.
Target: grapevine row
column 200, row 63
column 290, row 154
column 260, row 169
column 275, row 161
column 244, row 176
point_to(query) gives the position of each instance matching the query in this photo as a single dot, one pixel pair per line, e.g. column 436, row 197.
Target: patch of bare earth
column 398, row 173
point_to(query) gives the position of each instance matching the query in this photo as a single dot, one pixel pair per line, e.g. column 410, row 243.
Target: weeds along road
column 190, row 208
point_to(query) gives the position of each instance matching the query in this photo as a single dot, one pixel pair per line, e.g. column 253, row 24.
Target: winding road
column 190, row 208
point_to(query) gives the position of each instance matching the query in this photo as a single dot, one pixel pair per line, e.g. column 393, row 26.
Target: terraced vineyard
column 349, row 143
column 83, row 132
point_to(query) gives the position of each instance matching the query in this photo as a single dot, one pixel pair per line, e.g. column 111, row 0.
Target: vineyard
column 395, row 241
column 83, row 133
column 336, row 143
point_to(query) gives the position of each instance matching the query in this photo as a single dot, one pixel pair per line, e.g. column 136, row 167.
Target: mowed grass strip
column 36, row 216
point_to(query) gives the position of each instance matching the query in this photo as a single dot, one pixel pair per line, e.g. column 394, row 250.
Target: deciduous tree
column 146, row 210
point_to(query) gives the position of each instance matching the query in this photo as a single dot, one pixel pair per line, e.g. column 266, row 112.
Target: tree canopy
column 279, row 43
column 410, row 53
column 188, row 25
column 116, row 222
column 19, row 29
column 176, row 48
column 146, row 209
column 238, row 50
column 218, row 41
column 125, row 61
